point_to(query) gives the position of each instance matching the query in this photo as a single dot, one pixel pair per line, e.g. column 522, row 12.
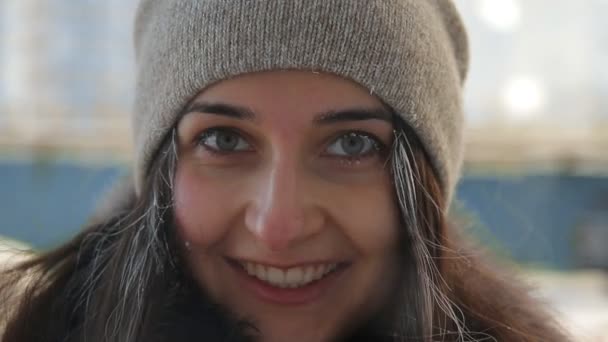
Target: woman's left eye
column 354, row 144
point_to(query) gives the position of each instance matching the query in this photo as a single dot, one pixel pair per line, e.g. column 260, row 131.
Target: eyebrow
column 236, row 112
column 328, row 117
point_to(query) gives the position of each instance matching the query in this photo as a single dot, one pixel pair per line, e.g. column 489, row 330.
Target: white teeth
column 260, row 272
column 275, row 276
column 250, row 268
column 290, row 278
column 293, row 277
column 318, row 272
column 308, row 274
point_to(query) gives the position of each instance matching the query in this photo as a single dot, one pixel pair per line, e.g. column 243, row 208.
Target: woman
column 294, row 164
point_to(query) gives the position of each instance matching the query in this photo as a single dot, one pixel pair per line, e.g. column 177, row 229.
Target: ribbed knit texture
column 412, row 54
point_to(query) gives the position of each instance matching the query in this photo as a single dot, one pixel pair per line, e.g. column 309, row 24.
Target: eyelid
column 215, row 129
column 368, row 135
column 379, row 147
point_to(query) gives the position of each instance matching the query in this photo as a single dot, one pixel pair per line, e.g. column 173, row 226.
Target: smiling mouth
column 294, row 277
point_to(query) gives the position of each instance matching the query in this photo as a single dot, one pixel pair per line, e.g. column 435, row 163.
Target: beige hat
column 412, row 54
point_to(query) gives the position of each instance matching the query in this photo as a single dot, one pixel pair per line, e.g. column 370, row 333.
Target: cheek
column 201, row 208
column 370, row 218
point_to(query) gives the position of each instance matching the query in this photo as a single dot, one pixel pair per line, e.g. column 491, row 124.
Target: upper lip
column 283, row 265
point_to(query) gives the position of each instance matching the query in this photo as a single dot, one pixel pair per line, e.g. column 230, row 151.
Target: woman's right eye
column 223, row 140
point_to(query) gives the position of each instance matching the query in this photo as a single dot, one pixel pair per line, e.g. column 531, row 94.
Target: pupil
column 226, row 141
column 352, row 144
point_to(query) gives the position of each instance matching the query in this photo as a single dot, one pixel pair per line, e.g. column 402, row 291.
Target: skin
column 288, row 195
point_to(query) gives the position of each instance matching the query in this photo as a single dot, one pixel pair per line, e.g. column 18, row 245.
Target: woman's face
column 284, row 201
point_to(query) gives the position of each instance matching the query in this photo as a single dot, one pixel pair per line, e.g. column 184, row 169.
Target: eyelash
column 209, row 132
column 378, row 148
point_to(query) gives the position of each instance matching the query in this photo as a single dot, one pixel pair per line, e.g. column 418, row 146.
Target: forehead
column 295, row 92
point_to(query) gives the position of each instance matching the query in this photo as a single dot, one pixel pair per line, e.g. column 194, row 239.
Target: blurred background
column 536, row 170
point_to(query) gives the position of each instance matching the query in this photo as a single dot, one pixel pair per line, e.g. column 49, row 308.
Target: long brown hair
column 121, row 278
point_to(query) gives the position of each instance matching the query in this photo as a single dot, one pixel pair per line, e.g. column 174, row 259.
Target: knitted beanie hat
column 412, row 54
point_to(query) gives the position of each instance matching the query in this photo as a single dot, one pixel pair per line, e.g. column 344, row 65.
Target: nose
column 281, row 212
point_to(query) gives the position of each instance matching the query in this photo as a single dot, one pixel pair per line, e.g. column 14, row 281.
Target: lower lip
column 288, row 296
